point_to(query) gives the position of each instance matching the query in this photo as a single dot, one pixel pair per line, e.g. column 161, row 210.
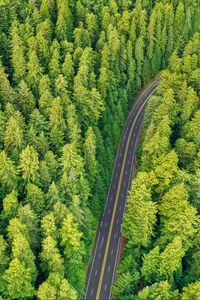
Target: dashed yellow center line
column 116, row 202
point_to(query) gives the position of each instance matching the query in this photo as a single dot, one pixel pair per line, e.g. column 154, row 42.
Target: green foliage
column 161, row 290
column 68, row 72
column 29, row 164
column 18, row 281
column 8, row 173
column 10, row 205
column 56, row 288
column 162, row 215
column 192, row 291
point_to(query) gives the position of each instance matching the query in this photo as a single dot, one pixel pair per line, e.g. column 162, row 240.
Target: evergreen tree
column 18, row 281
column 29, row 164
column 18, row 58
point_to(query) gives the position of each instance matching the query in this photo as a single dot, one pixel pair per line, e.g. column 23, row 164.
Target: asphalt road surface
column 106, row 247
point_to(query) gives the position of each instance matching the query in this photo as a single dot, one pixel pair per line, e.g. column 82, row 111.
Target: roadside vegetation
column 162, row 223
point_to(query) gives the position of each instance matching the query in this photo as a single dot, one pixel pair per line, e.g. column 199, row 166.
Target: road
column 108, row 237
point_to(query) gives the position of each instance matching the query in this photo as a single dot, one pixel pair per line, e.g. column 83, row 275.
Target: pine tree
column 18, row 281
column 191, row 291
column 90, row 155
column 25, row 99
column 57, row 124
column 14, row 135
column 35, row 197
column 10, row 205
column 51, row 258
column 74, row 130
column 68, row 70
column 64, row 24
column 6, row 91
column 54, row 65
column 34, row 71
column 29, row 164
column 161, row 289
column 8, row 173
column 56, row 287
column 18, row 57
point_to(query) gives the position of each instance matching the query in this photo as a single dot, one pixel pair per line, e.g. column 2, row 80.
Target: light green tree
column 10, row 205
column 29, row 164
column 161, row 290
column 55, row 287
column 18, row 57
column 8, row 173
column 192, row 291
column 18, row 281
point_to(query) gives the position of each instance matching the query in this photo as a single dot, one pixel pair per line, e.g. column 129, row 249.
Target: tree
column 64, row 24
column 51, row 258
column 6, row 91
column 178, row 217
column 54, row 65
column 171, row 258
column 139, row 221
column 123, row 284
column 73, row 125
column 48, row 226
column 29, row 164
column 139, row 56
column 156, row 142
column 190, row 130
column 189, row 105
column 53, row 195
column 70, row 235
column 81, row 37
column 150, row 266
column 45, row 177
column 192, row 291
column 18, row 58
column 34, row 70
column 46, row 96
column 25, row 99
column 92, row 26
column 14, row 135
column 4, row 259
column 158, row 290
column 163, row 265
column 43, row 40
column 18, row 281
column 57, row 124
column 179, row 23
column 10, row 205
column 35, row 197
column 17, row 228
column 28, row 217
column 68, row 70
column 56, row 287
column 22, row 251
column 186, row 152
column 73, row 181
column 166, row 169
column 46, row 9
column 88, row 102
column 8, row 173
column 90, row 155
column 52, row 164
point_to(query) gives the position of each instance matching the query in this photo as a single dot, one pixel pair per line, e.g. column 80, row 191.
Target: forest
column 69, row 72
column 162, row 222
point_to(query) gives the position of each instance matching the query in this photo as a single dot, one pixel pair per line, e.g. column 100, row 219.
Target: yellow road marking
column 116, row 202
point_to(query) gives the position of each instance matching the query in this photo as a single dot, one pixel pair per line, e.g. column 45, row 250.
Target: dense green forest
column 68, row 73
column 162, row 223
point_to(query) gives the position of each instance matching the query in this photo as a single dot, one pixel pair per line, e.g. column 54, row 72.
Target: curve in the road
column 108, row 236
